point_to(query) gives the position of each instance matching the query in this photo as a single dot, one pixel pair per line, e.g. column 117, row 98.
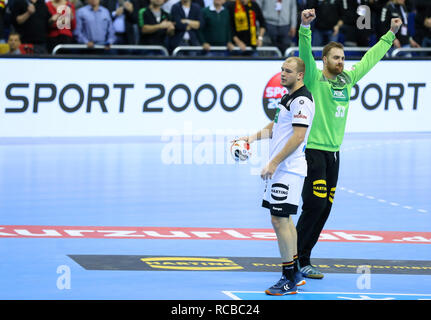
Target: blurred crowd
column 38, row 26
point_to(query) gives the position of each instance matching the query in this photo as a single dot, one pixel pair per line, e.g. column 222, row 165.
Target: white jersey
column 293, row 110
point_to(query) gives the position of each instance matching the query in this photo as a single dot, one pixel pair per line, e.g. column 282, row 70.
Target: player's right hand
column 307, row 16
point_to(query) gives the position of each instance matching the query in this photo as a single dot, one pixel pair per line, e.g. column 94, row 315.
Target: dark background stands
column 353, row 36
column 62, row 35
column 244, row 36
column 327, row 26
column 33, row 30
column 423, row 23
column 146, row 17
column 397, row 9
column 2, row 13
column 178, row 14
column 131, row 18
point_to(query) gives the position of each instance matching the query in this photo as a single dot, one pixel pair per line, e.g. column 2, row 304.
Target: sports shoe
column 282, row 287
column 311, row 272
column 299, row 279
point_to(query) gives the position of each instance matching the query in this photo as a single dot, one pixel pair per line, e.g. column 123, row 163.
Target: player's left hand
column 268, row 171
column 396, row 24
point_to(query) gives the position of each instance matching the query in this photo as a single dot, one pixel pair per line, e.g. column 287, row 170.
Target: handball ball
column 240, row 150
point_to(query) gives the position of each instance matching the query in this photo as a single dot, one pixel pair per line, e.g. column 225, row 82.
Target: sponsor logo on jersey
column 300, row 116
column 340, row 94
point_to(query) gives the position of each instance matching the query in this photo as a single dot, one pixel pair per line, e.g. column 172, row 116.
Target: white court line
column 377, row 144
column 394, row 204
column 231, row 295
column 235, row 297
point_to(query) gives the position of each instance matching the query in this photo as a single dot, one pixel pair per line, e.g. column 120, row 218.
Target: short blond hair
column 300, row 65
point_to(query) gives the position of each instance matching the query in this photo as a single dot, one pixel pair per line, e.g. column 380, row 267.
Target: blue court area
column 384, row 186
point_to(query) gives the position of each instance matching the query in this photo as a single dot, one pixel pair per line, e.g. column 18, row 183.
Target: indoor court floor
column 94, row 218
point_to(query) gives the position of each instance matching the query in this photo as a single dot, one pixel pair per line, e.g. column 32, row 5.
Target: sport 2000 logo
column 272, row 95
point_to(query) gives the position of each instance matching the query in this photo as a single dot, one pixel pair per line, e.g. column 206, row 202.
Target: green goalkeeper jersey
column 332, row 96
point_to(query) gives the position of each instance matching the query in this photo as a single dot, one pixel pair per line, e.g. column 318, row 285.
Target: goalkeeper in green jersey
column 330, row 88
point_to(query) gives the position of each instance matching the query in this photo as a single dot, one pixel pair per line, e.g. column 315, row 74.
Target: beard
column 335, row 69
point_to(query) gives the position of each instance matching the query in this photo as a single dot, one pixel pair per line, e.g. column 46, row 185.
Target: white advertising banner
column 91, row 97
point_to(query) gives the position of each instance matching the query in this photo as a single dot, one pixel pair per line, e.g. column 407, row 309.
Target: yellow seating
column 4, row 48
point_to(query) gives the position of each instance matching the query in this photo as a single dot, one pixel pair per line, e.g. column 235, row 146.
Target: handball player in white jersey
column 285, row 172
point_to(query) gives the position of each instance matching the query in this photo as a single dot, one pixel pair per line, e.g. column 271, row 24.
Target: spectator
column 423, row 26
column 246, row 17
column 94, row 25
column 124, row 15
column 215, row 29
column 327, row 27
column 353, row 36
column 376, row 7
column 187, row 17
column 280, row 17
column 397, row 9
column 63, row 23
column 14, row 43
column 155, row 24
column 31, row 20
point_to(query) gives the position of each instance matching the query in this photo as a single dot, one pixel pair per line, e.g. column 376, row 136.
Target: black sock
column 304, row 261
column 288, row 270
column 295, row 263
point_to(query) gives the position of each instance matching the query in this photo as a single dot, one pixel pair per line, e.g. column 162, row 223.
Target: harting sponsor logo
column 191, row 263
column 279, row 191
column 319, row 188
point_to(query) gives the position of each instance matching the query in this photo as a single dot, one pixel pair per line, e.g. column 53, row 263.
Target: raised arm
column 305, row 53
column 376, row 53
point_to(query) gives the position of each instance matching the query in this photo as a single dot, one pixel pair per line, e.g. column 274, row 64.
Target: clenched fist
column 307, row 16
column 396, row 24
